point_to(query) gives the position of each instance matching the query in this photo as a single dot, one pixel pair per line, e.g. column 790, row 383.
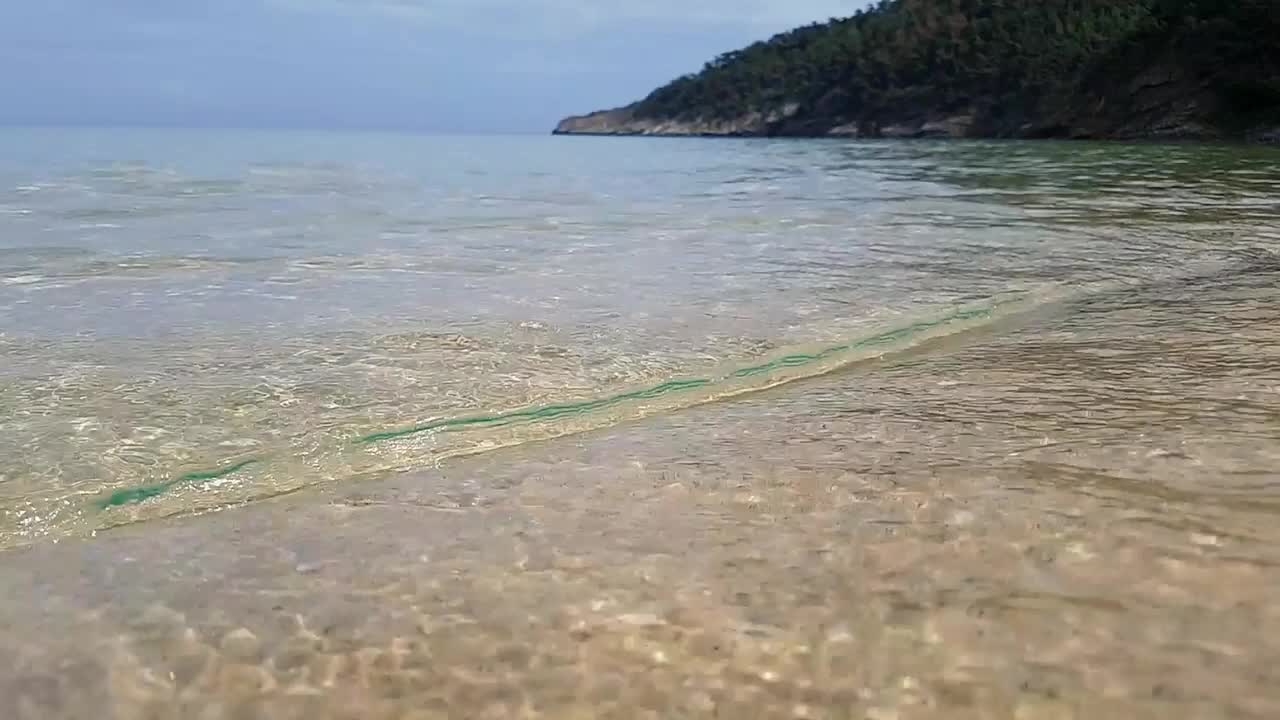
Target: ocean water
column 792, row 428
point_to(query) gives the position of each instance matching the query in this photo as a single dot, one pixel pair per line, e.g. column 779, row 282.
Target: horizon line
column 12, row 125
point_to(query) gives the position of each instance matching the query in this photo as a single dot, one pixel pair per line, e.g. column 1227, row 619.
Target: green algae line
column 546, row 412
column 722, row 385
column 134, row 495
column 794, row 360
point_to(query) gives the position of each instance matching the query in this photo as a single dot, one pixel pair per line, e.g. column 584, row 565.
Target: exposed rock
column 604, row 122
column 955, row 126
column 623, row 121
column 900, row 131
column 1158, row 109
column 847, row 130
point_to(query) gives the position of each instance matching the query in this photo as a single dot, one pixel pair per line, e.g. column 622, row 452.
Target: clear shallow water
column 182, row 302
column 1037, row 477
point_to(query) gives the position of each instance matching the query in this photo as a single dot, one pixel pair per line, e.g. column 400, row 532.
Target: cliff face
column 1158, row 103
column 780, row 123
column 626, row 121
column 1123, row 69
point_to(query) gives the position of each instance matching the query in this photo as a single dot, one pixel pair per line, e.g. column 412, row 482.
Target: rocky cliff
column 1156, row 104
column 626, row 121
column 779, row 123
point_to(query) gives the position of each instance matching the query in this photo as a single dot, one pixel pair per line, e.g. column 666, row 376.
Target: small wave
column 23, row 280
column 486, row 432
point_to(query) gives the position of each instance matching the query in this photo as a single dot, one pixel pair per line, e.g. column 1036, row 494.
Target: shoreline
column 788, row 122
column 1266, row 139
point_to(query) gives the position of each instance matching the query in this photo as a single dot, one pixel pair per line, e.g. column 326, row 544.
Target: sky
column 430, row 65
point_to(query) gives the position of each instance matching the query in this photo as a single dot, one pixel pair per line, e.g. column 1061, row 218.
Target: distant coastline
column 1131, row 70
column 621, row 122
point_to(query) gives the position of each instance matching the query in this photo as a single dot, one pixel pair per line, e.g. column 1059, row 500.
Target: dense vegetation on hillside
column 1008, row 60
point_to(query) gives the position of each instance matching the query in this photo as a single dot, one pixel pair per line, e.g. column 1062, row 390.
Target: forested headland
column 987, row 68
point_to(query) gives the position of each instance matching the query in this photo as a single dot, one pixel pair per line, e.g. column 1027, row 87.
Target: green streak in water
column 551, row 412
column 130, row 496
column 884, row 338
column 547, row 412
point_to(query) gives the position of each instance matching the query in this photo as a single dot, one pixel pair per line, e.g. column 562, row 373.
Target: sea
column 364, row 425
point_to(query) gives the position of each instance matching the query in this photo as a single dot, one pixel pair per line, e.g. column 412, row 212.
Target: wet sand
column 1076, row 521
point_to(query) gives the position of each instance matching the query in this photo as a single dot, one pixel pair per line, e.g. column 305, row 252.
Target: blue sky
column 443, row 65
